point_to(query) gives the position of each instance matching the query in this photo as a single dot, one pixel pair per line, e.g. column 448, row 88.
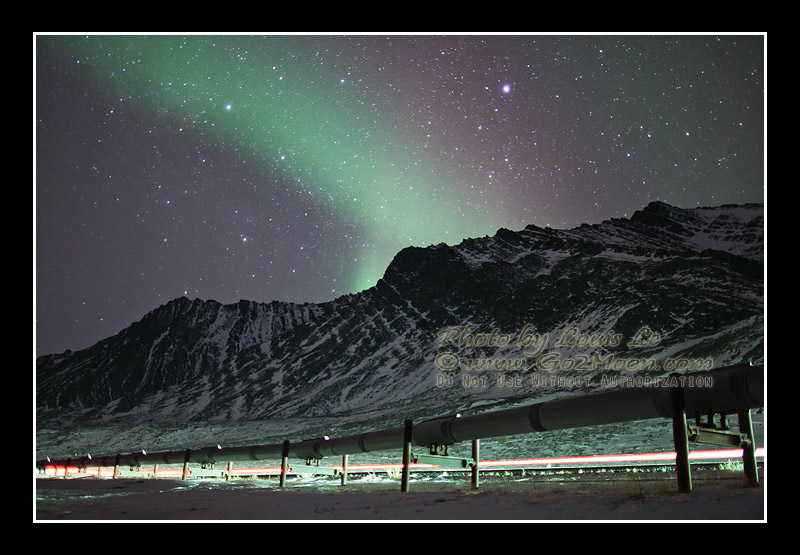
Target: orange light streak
column 698, row 455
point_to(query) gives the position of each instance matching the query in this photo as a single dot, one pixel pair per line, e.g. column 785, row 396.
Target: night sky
column 294, row 168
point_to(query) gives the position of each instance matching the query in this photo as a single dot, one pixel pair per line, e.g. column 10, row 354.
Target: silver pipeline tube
column 723, row 391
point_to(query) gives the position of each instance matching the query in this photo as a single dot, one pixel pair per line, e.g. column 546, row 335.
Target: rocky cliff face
column 688, row 281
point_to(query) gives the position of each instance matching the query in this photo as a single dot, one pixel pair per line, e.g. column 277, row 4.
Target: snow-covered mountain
column 511, row 312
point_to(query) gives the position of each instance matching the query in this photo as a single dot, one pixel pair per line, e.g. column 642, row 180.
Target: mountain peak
column 194, row 359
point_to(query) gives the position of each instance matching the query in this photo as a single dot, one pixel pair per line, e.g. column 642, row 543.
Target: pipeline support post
column 749, row 448
column 476, row 455
column 680, row 434
column 186, row 458
column 344, row 470
column 408, row 432
column 229, row 470
column 284, row 462
column 116, row 465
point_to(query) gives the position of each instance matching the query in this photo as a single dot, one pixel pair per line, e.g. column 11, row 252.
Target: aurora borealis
column 294, row 167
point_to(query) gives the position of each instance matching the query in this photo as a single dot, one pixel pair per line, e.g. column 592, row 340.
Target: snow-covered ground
column 371, row 500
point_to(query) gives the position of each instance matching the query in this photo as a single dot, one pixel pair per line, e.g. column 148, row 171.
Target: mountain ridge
column 695, row 275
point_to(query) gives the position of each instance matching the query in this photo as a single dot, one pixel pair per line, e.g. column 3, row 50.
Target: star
column 425, row 144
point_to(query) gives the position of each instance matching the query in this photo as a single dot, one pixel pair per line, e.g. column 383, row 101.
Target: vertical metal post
column 476, row 455
column 680, row 435
column 344, row 470
column 228, row 473
column 116, row 466
column 284, row 462
column 186, row 464
column 155, row 471
column 407, row 435
column 749, row 450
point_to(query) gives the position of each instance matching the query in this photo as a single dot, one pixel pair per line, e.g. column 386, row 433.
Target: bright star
column 506, row 88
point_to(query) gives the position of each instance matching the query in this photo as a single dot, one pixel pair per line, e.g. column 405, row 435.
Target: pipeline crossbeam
column 723, row 390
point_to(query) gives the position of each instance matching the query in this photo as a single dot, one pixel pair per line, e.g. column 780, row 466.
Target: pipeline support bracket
column 716, row 436
column 711, row 434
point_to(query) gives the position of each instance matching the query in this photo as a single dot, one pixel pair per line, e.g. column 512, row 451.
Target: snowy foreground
column 718, row 492
column 721, row 497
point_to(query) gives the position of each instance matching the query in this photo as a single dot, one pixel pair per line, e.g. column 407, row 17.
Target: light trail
column 666, row 457
column 699, row 455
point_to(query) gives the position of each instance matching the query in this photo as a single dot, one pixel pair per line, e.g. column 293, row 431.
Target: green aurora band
column 345, row 149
